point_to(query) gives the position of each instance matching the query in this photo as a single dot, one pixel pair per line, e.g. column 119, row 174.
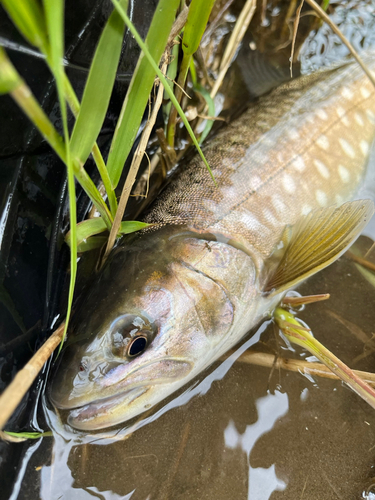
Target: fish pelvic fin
column 316, row 241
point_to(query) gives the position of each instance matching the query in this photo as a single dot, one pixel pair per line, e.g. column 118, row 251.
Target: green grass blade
column 9, row 78
column 165, row 83
column 131, row 226
column 141, row 84
column 87, row 228
column 98, row 88
column 92, row 243
column 22, row 436
column 54, row 10
column 91, row 227
column 211, row 110
column 296, row 333
column 11, row 81
column 199, row 12
column 27, row 15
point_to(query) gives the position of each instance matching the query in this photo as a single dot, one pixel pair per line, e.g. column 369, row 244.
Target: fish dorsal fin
column 317, row 240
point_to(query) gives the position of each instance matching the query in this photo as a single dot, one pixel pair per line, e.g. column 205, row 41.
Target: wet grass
column 43, row 27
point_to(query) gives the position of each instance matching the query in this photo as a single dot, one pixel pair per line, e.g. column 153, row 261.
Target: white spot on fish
column 299, row 164
column 250, row 220
column 293, row 134
column 347, row 93
column 340, row 111
column 268, row 215
column 364, row 147
column 344, row 174
column 323, row 142
column 306, row 209
column 339, row 199
column 342, row 115
column 358, row 118
column 370, row 115
column 322, row 114
column 347, row 148
column 255, row 182
column 280, row 157
column 321, row 197
column 288, row 183
column 322, row 169
column 365, row 92
column 278, row 203
column 310, row 119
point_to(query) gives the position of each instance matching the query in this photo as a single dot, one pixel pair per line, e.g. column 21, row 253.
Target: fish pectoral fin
column 317, row 240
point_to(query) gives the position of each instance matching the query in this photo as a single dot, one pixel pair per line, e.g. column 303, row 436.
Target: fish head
column 153, row 320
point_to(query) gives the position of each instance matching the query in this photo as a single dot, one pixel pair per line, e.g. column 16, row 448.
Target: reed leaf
column 141, row 84
column 211, row 110
column 9, row 78
column 92, row 243
column 196, row 23
column 87, row 228
column 164, row 81
column 300, row 335
column 98, row 88
column 22, row 436
column 54, row 10
column 27, row 15
column 91, row 227
column 131, row 226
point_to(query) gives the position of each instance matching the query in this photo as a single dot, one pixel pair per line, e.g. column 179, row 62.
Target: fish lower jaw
column 106, row 412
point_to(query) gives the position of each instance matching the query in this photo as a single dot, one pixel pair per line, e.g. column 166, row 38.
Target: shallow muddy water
column 242, row 431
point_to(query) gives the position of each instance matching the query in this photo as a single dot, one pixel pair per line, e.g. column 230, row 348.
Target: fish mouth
column 107, row 412
column 138, row 391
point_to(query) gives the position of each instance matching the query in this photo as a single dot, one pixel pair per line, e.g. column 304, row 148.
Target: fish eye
column 130, row 335
column 137, row 346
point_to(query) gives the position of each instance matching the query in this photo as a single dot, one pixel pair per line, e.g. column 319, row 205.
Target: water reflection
column 262, row 482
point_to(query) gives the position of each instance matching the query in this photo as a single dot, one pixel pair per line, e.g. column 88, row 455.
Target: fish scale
column 268, row 151
column 218, row 259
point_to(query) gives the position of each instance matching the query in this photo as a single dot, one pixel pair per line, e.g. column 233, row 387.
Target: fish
column 218, row 258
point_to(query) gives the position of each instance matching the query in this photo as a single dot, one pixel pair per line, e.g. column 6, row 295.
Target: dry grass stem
column 360, row 260
column 297, row 365
column 307, row 299
column 145, row 178
column 13, row 394
column 11, row 439
column 130, row 179
column 138, row 156
column 237, row 35
column 295, row 29
column 344, row 40
column 177, row 26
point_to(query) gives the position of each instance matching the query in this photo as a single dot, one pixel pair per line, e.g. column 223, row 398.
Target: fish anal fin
column 317, row 240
